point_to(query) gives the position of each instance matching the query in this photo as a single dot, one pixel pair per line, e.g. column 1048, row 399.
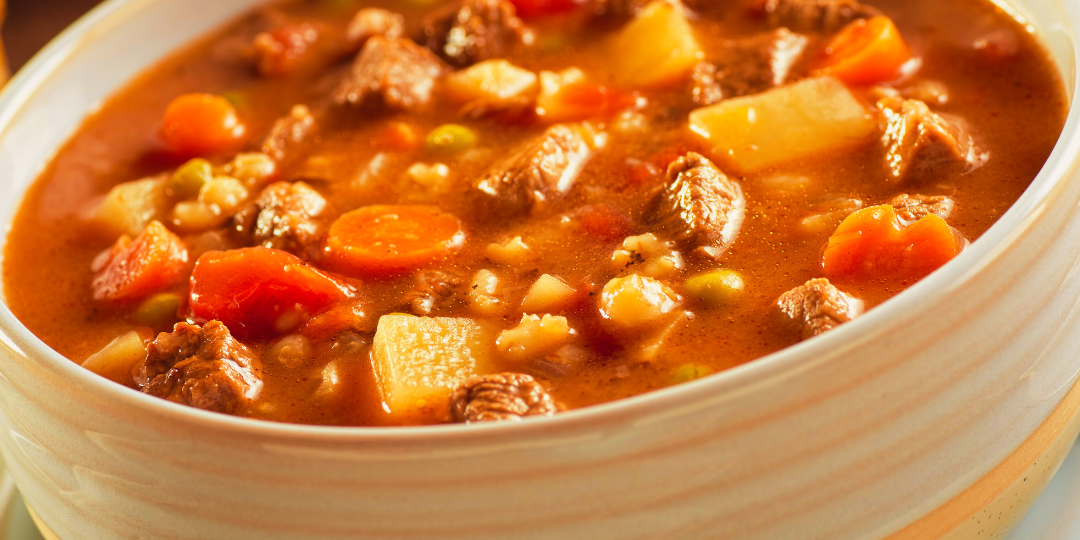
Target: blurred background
column 31, row 24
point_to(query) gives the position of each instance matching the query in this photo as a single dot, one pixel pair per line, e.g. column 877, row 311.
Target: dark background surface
column 32, row 23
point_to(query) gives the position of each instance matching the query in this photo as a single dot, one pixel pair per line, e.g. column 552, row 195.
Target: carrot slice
column 866, row 52
column 133, row 269
column 386, row 240
column 201, row 124
column 260, row 292
column 872, row 243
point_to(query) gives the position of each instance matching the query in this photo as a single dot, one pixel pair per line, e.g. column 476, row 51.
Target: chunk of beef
column 288, row 132
column 284, row 50
column 699, row 207
column 371, row 22
column 919, row 142
column 203, row 367
column 286, row 216
column 817, row 307
column 471, row 31
column 400, row 72
column 916, row 207
column 752, row 65
column 500, row 397
column 541, row 169
column 431, row 289
column 813, row 15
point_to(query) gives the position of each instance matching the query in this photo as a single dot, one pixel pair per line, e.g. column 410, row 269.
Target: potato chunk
column 804, row 119
column 419, row 360
column 116, row 360
column 656, row 48
column 130, row 207
column 494, row 84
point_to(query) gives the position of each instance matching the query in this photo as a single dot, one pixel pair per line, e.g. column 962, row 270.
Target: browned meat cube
column 371, row 22
column 813, row 15
column 916, row 207
column 919, row 142
column 699, row 207
column 431, row 289
column 817, row 307
column 753, row 65
column 288, row 132
column 201, row 367
column 400, row 72
column 542, row 169
column 471, row 31
column 500, row 397
column 286, row 217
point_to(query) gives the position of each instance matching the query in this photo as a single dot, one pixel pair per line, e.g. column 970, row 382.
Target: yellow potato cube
column 548, row 293
column 535, row 337
column 804, row 119
column 496, row 82
column 129, row 207
column 656, row 48
column 419, row 360
column 116, row 360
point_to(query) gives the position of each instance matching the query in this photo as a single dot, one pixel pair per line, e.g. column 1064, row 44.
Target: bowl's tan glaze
column 915, row 421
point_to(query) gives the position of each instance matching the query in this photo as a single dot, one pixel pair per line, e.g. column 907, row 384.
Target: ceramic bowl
column 940, row 414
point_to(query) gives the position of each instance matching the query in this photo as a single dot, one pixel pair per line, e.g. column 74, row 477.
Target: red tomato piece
column 133, row 269
column 873, row 244
column 541, row 8
column 261, row 292
column 603, row 223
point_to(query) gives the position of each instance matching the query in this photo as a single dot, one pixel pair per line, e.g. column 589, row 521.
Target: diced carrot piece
column 397, row 136
column 384, row 240
column 261, row 292
column 872, row 243
column 584, row 100
column 133, row 269
column 866, row 52
column 201, row 124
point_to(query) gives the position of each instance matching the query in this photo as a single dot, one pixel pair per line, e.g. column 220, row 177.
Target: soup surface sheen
column 595, row 199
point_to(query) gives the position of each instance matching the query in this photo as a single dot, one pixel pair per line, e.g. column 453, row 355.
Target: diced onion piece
column 419, row 360
column 330, row 383
column 117, row 359
column 649, row 256
column 656, row 48
column 292, row 350
column 800, row 120
column 535, row 337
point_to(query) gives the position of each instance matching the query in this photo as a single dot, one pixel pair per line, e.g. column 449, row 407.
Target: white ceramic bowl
column 940, row 414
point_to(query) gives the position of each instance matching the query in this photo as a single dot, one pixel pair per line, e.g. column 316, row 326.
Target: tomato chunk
column 202, row 124
column 542, row 8
column 866, row 52
column 134, row 269
column 385, row 240
column 260, row 292
column 583, row 100
column 872, row 243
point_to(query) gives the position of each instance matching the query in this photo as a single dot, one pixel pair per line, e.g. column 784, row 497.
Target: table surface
column 32, row 23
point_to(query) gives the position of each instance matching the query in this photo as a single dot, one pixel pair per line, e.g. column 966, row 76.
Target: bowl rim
column 1019, row 217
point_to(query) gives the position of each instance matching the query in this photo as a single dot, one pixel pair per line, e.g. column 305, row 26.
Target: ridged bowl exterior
column 858, row 434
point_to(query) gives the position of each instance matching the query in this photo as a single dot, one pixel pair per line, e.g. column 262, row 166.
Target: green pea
column 553, row 43
column 235, row 98
column 190, row 177
column 158, row 311
column 689, row 372
column 716, row 289
column 449, row 139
